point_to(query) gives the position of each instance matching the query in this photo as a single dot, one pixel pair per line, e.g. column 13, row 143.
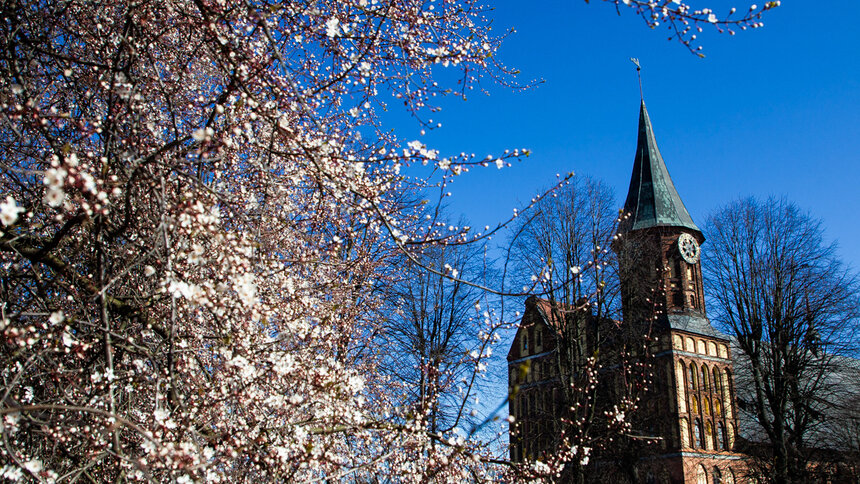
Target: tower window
column 697, row 430
column 709, row 436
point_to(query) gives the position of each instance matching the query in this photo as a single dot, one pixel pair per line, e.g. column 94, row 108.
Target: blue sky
column 770, row 111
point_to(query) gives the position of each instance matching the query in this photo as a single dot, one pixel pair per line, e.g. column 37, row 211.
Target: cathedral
column 690, row 404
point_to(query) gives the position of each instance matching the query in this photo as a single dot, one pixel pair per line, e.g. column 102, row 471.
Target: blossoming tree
column 199, row 202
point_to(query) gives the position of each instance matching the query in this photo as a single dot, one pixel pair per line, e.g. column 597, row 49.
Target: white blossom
column 9, row 211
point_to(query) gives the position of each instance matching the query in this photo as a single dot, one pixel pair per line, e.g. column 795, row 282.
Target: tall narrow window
column 693, row 377
column 682, row 394
column 701, row 475
column 717, row 386
column 699, row 434
column 709, row 436
column 705, row 379
column 685, row 434
column 721, row 441
column 725, row 382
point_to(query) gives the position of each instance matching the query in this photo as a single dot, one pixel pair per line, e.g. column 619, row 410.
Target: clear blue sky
column 771, row 111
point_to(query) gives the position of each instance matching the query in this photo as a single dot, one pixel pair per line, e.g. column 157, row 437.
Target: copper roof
column 652, row 200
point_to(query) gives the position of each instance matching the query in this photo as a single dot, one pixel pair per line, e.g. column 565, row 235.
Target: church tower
column 685, row 426
column 693, row 392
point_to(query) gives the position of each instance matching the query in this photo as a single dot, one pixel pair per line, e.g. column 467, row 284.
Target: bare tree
column 791, row 303
column 598, row 366
column 562, row 242
column 198, row 200
column 432, row 318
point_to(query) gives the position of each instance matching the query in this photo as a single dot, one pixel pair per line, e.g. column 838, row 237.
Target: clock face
column 689, row 248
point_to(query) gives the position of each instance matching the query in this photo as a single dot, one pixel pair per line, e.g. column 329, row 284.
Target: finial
column 635, row 62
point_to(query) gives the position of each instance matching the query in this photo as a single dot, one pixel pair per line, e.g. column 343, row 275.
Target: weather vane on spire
column 635, row 62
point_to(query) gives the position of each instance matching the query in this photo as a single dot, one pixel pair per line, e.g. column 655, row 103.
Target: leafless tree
column 781, row 290
column 565, row 250
column 432, row 318
column 564, row 243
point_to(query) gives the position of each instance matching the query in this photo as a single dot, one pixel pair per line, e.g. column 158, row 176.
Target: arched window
column 721, row 441
column 705, row 379
column 717, row 407
column 730, row 437
column 709, row 436
column 716, row 475
column 717, row 386
column 706, row 406
column 685, row 434
column 726, row 382
column 694, row 405
column 682, row 394
column 730, row 477
column 694, row 377
column 697, row 432
column 701, row 475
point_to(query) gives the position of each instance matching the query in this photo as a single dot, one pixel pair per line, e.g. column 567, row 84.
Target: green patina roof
column 652, row 199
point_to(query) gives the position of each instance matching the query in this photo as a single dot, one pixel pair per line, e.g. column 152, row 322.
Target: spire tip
column 635, row 62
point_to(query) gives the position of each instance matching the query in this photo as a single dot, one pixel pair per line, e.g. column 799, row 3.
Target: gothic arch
column 685, row 433
column 699, row 433
column 701, row 475
column 717, row 386
column 709, row 436
column 681, row 386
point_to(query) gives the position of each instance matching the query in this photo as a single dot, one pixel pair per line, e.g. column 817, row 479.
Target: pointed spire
column 652, row 200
